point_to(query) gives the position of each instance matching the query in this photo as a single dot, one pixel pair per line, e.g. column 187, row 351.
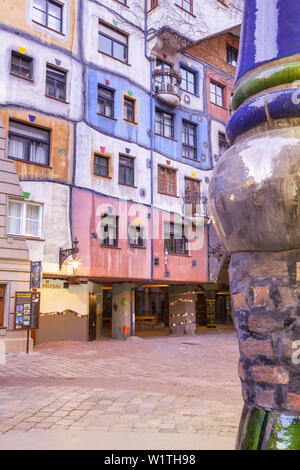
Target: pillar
column 120, row 308
column 255, row 205
column 182, row 312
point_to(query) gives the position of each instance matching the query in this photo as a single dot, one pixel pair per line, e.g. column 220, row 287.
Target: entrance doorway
column 92, row 317
column 107, row 311
column 2, row 299
column 223, row 310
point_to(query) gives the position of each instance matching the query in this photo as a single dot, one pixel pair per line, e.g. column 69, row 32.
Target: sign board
column 35, row 274
column 27, row 310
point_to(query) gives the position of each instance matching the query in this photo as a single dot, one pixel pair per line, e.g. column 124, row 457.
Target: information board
column 27, row 310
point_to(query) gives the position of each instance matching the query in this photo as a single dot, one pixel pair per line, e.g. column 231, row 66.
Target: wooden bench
column 145, row 321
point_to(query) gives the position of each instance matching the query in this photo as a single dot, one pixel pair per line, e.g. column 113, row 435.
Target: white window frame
column 23, row 219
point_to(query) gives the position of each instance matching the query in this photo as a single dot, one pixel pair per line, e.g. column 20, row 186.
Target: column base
column 266, row 430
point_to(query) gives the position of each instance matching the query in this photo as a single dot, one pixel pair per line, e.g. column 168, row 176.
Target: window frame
column 194, row 147
column 141, row 243
column 132, row 102
column 163, row 183
column 113, row 40
column 218, row 86
column 159, row 111
column 57, row 4
column 106, row 99
column 182, row 2
column 27, row 59
column 56, row 80
column 230, row 51
column 24, row 219
column 104, row 157
column 28, row 141
column 194, row 202
column 192, row 72
column 172, row 244
column 131, row 169
column 105, row 241
column 222, row 138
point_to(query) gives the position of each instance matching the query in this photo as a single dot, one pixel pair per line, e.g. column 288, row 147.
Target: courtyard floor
column 144, row 393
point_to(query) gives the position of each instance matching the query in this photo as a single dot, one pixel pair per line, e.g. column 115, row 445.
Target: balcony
column 166, row 86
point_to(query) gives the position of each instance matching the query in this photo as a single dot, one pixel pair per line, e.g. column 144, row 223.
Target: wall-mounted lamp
column 64, row 254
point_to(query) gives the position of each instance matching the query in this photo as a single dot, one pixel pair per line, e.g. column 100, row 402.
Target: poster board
column 27, row 310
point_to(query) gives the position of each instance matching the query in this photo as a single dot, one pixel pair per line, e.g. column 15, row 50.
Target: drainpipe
column 151, row 175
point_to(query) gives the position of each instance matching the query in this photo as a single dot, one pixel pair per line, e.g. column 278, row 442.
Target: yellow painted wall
column 14, row 15
column 61, row 138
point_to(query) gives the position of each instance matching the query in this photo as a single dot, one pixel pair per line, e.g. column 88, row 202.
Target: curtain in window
column 38, row 153
column 32, row 221
column 16, row 147
column 14, row 218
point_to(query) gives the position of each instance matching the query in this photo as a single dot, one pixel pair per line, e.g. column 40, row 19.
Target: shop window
column 48, row 13
column 175, row 239
column 24, row 219
column 101, row 165
column 113, row 42
column 167, row 181
column 56, row 83
column 109, row 230
column 28, row 143
column 21, row 65
column 189, row 140
column 126, row 170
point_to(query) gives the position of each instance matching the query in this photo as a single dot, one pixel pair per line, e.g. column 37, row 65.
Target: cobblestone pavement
column 144, row 385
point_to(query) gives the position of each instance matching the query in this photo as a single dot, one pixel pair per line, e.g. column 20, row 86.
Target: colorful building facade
column 115, row 117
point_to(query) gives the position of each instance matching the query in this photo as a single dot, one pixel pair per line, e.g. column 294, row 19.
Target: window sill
column 21, row 76
column 128, row 185
column 138, row 247
column 166, row 137
column 31, row 163
column 219, row 106
column 24, row 237
column 191, row 159
column 180, row 254
column 110, row 247
column 190, row 93
column 47, row 27
column 115, row 58
column 186, row 11
column 134, row 123
column 57, row 99
column 103, row 176
column 109, row 117
column 166, row 194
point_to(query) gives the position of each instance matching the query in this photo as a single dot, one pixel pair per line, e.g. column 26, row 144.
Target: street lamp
column 64, row 254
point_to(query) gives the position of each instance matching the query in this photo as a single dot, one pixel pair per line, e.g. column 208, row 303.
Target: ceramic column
column 120, row 308
column 255, row 205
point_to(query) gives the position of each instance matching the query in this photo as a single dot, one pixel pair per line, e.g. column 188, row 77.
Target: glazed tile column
column 255, row 205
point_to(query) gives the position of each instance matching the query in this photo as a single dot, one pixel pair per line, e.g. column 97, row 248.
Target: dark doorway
column 107, row 312
column 201, row 310
column 92, row 317
column 223, row 310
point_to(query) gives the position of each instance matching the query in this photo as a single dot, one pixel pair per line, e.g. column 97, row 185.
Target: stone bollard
column 255, row 205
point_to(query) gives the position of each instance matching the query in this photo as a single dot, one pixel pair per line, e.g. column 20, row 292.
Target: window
column 223, row 145
column 192, row 194
column 162, row 81
column 175, row 239
column 136, row 235
column 126, row 170
column 231, row 55
column 216, row 94
column 186, row 5
column 101, row 165
column 113, row 43
column 189, row 140
column 24, row 219
column 21, row 65
column 166, row 181
column 153, row 4
column 105, row 101
column 28, row 143
column 188, row 80
column 164, row 124
column 129, row 110
column 109, row 230
column 56, row 83
column 48, row 13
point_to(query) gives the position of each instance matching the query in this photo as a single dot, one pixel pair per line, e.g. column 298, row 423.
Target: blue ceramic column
column 255, row 205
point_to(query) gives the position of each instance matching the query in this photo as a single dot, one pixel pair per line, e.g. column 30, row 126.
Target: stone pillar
column 255, row 205
column 120, row 308
column 182, row 312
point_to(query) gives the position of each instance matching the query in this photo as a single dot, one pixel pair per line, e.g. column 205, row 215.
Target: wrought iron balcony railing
column 166, row 86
